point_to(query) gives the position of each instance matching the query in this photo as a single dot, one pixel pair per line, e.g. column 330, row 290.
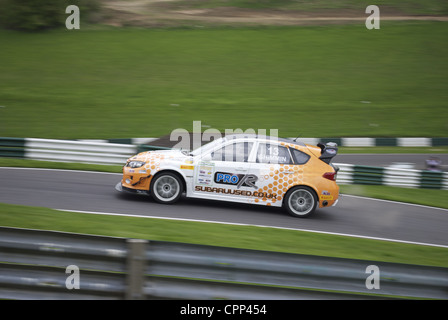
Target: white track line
column 254, row 225
column 395, row 202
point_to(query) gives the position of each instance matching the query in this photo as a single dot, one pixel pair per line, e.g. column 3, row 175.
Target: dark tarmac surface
column 92, row 191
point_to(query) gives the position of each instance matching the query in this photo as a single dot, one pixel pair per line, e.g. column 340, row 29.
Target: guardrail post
column 135, row 269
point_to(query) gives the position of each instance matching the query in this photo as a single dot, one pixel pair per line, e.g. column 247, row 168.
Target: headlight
column 135, row 164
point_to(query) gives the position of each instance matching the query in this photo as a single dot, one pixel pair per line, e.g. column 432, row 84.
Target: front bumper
column 136, row 178
column 119, row 187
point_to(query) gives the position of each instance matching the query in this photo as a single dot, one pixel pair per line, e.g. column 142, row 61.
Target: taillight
column 330, row 176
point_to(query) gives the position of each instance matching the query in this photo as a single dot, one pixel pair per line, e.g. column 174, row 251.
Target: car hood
column 160, row 154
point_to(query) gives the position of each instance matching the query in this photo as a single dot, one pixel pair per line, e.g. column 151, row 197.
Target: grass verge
column 28, row 163
column 317, row 81
column 248, row 237
column 427, row 197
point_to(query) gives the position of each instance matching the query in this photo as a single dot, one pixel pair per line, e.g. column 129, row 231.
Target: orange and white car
column 240, row 168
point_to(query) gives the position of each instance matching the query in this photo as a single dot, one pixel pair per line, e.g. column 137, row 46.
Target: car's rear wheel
column 301, row 201
column 166, row 188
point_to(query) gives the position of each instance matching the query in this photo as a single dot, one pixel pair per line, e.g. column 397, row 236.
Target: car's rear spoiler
column 328, row 151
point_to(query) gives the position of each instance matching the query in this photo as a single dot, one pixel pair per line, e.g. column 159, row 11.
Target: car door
column 222, row 173
column 273, row 168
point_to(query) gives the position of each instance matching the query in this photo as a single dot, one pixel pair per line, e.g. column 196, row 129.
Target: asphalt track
column 94, row 192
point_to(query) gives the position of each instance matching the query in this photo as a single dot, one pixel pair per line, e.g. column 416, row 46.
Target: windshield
column 206, row 147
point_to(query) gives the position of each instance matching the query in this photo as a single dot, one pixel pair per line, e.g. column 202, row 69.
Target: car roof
column 262, row 137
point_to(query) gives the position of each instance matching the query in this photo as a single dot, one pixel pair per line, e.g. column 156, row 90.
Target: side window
column 233, row 152
column 299, row 156
column 272, row 153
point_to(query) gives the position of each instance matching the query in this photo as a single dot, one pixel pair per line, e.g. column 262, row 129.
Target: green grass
column 27, row 163
column 118, row 83
column 248, row 237
column 428, row 197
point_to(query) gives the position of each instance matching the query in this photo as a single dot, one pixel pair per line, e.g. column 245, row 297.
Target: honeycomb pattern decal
column 277, row 181
column 153, row 160
column 141, row 177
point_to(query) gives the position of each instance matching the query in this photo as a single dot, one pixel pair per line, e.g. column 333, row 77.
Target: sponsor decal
column 268, row 158
column 238, row 180
column 237, row 192
column 205, row 173
column 187, row 167
column 326, row 195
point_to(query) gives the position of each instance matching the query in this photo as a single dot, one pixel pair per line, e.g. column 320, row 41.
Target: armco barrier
column 77, row 151
column 34, row 264
column 12, row 147
column 70, row 150
column 343, row 142
column 117, row 153
column 356, row 174
column 66, row 150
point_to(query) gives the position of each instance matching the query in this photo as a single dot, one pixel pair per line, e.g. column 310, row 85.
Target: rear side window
column 299, row 156
column 273, row 154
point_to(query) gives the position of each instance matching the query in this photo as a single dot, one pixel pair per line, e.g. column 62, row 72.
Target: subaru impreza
column 254, row 169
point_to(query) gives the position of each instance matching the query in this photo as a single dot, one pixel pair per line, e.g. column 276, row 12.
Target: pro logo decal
column 238, row 180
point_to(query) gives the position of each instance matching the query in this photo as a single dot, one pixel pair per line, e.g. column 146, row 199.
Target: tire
column 300, row 202
column 166, row 187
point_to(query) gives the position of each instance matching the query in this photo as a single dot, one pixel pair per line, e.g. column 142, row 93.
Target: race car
column 242, row 168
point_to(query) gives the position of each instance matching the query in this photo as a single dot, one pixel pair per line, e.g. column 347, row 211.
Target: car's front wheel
column 166, row 188
column 301, row 201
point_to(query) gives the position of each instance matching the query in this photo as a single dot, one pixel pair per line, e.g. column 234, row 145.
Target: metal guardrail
column 117, row 153
column 33, row 266
column 380, row 142
column 70, row 150
column 356, row 174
